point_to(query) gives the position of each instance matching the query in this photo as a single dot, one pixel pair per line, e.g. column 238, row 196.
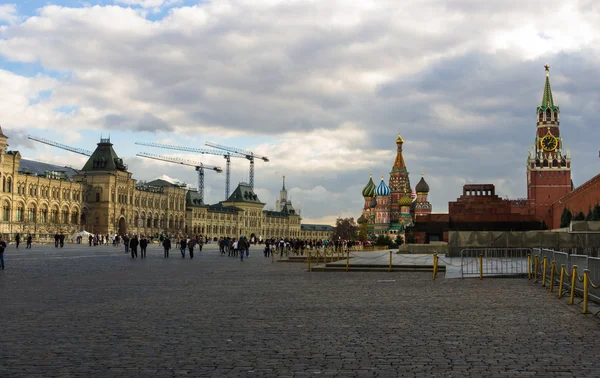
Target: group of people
column 28, row 241
column 235, row 247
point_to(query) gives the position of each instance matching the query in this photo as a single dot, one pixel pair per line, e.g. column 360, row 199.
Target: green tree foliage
column 565, row 218
column 363, row 232
column 384, row 240
column 410, row 237
column 345, row 229
column 399, row 241
column 580, row 216
column 596, row 213
column 590, row 215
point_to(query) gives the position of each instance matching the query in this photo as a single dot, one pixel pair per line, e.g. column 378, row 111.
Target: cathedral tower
column 382, row 209
column 398, row 179
column 548, row 163
column 280, row 203
column 421, row 205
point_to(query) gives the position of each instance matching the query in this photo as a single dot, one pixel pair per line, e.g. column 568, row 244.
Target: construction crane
column 245, row 153
column 80, row 151
column 226, row 155
column 199, row 168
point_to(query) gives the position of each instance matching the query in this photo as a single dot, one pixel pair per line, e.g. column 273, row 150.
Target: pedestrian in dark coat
column 2, row 248
column 182, row 247
column 143, row 245
column 133, row 244
column 61, row 239
column 29, row 240
column 18, row 240
column 166, row 245
column 190, row 245
column 56, row 237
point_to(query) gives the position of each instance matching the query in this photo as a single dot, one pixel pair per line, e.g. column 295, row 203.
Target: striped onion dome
column 382, row 190
column 369, row 190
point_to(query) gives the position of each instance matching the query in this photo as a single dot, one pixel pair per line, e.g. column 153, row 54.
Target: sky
column 320, row 87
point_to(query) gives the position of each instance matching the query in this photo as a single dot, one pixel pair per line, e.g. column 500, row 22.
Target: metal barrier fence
column 574, row 275
column 494, row 261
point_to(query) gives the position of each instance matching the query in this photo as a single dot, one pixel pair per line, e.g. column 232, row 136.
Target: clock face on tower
column 549, row 143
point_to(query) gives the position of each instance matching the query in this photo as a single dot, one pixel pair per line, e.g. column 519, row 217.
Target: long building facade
column 102, row 198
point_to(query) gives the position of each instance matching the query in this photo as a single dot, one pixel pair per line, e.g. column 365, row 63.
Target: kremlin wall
column 396, row 209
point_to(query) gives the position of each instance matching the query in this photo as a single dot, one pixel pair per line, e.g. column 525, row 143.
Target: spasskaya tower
column 548, row 163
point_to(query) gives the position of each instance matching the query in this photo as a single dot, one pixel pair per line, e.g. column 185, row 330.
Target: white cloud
column 9, row 13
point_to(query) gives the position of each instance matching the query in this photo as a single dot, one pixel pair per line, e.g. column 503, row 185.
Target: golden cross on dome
column 547, row 67
column 422, row 171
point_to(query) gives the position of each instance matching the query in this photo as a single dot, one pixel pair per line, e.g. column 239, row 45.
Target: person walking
column 29, row 240
column 133, row 244
column 242, row 247
column 2, row 248
column 200, row 243
column 18, row 239
column 166, row 243
column 182, row 247
column 190, row 245
column 143, row 245
column 61, row 240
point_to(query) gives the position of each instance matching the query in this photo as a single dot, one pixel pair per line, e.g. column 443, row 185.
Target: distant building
column 390, row 208
column 102, row 198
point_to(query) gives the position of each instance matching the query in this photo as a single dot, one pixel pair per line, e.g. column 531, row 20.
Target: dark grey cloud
column 145, row 122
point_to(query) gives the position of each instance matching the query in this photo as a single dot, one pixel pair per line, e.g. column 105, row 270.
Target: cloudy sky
column 321, row 87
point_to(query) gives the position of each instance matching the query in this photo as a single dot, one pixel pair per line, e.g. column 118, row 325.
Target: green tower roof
column 104, row 158
column 547, row 99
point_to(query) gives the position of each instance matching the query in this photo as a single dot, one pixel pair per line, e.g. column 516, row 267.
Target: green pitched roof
column 104, row 158
column 547, row 99
column 243, row 193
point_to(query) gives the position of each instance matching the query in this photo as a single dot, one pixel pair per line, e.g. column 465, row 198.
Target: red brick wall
column 546, row 187
column 580, row 199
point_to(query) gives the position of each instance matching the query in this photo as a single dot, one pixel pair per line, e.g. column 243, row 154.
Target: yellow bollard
column 309, row 269
column 434, row 265
column 480, row 267
column 528, row 267
column 390, row 261
column 562, row 278
column 573, row 282
column 536, row 264
column 586, row 283
column 552, row 268
column 545, row 263
column 348, row 260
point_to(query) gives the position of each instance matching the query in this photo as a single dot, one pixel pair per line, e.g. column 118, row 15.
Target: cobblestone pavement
column 95, row 312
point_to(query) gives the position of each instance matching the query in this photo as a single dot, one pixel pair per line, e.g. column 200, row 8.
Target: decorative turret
column 405, row 202
column 382, row 190
column 369, row 189
column 421, row 205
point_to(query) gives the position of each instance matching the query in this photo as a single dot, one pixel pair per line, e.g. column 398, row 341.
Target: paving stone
column 95, row 312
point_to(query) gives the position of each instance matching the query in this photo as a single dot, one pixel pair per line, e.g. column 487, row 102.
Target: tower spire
column 547, row 100
column 283, row 183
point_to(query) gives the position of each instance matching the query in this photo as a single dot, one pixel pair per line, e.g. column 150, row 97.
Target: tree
column 410, row 237
column 579, row 217
column 345, row 229
column 596, row 213
column 363, row 232
column 381, row 240
column 565, row 218
column 399, row 241
column 590, row 215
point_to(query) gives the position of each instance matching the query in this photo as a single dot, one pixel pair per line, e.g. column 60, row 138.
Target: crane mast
column 80, row 151
column 245, row 153
column 227, row 155
column 198, row 165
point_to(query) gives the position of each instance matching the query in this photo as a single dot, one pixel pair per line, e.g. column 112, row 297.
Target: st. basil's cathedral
column 392, row 207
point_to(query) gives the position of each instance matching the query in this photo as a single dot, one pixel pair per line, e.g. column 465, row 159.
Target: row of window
column 43, row 191
column 44, row 216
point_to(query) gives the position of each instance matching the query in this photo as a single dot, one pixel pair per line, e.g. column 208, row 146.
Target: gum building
column 102, row 198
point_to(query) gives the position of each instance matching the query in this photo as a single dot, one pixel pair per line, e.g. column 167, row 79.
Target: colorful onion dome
column 422, row 186
column 405, row 200
column 399, row 140
column 382, row 190
column 369, row 190
column 373, row 202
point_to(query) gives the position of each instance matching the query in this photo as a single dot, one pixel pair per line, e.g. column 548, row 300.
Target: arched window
column 65, row 216
column 74, row 217
column 6, row 212
column 31, row 213
column 4, row 183
column 555, row 115
column 20, row 213
column 54, row 215
column 548, row 114
column 9, row 185
column 44, row 215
